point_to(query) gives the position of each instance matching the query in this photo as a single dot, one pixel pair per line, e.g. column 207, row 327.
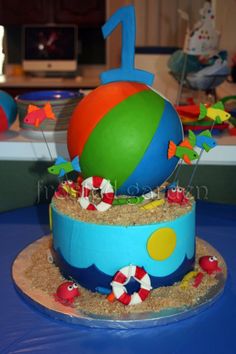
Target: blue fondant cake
column 92, row 253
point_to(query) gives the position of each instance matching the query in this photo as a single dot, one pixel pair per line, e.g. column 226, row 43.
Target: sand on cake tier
column 131, row 214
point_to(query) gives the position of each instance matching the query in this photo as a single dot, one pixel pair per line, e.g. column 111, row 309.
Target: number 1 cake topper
column 127, row 71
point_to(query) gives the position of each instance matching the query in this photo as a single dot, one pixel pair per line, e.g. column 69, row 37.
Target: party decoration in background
column 187, row 112
column 8, row 111
column 189, row 115
column 209, row 77
column 200, row 65
column 203, row 39
column 229, row 103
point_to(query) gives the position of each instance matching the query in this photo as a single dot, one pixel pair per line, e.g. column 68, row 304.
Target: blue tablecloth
column 24, row 330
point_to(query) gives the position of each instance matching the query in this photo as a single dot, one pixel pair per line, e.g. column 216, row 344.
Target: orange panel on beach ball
column 93, row 108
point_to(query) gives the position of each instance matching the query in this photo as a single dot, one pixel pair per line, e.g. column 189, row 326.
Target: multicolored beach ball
column 8, row 111
column 121, row 132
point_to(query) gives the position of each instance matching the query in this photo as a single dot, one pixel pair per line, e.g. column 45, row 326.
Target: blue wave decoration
column 92, row 278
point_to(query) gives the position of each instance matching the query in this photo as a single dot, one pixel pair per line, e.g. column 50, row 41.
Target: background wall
column 225, row 23
column 159, row 24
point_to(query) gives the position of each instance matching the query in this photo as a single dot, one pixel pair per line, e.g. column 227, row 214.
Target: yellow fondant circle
column 161, row 243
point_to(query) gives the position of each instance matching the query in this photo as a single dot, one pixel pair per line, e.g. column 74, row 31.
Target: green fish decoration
column 183, row 151
column 62, row 166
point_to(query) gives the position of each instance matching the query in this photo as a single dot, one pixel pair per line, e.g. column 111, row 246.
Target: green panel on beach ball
column 120, row 139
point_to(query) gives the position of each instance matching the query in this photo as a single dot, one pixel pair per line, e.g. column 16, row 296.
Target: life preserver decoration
column 95, row 183
column 122, row 277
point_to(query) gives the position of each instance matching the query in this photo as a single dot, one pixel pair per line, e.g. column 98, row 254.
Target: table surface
column 24, row 330
column 42, row 82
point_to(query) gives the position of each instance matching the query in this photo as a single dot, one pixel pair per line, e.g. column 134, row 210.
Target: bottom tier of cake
column 92, row 254
column 37, row 279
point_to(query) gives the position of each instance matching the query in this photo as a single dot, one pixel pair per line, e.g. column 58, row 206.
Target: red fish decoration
column 36, row 115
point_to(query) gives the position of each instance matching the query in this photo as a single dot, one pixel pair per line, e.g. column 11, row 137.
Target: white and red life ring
column 95, row 183
column 122, row 277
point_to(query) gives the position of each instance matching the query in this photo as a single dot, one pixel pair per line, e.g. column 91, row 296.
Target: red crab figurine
column 66, row 293
column 177, row 195
column 65, row 189
column 209, row 264
column 71, row 188
column 61, row 193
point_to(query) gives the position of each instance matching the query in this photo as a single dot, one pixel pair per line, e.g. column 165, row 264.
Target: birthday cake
column 120, row 228
column 124, row 143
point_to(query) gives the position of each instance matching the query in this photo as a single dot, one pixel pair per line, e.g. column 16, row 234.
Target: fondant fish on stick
column 62, row 166
column 184, row 151
column 36, row 115
column 216, row 112
column 203, row 140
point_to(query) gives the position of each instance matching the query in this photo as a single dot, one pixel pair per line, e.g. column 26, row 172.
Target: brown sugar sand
column 131, row 214
column 46, row 277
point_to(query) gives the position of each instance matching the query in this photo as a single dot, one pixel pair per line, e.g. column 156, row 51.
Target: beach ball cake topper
column 121, row 130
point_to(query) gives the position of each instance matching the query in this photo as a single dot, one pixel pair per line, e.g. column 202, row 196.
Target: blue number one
column 127, row 71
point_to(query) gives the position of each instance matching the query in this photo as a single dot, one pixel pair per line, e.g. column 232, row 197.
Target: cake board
column 46, row 304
